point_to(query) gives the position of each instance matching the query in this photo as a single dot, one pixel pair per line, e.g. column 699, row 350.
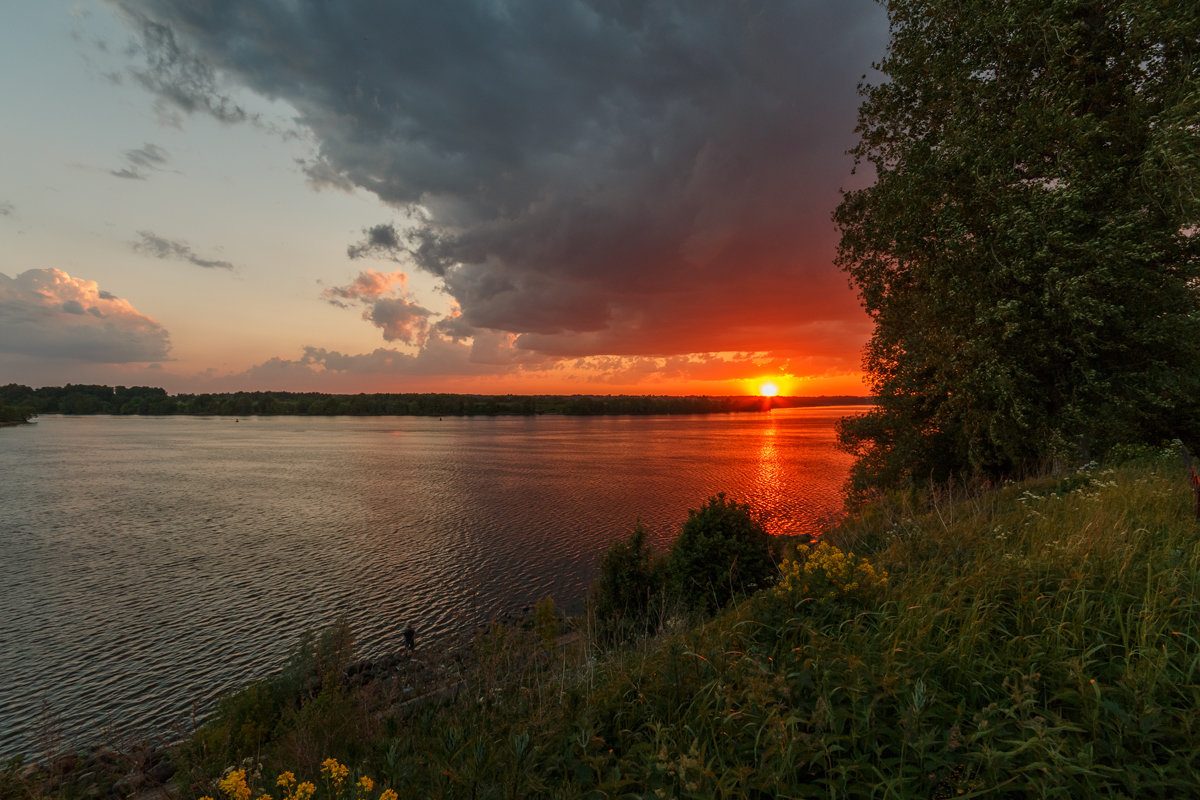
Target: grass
column 1038, row 639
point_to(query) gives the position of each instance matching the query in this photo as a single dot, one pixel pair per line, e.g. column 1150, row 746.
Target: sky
column 482, row 196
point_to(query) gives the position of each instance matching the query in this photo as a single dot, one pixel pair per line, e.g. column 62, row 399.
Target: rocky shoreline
column 142, row 769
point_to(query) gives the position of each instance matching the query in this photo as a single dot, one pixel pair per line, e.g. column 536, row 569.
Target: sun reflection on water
column 130, row 574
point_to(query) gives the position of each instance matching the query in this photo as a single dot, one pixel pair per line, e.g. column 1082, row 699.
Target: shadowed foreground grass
column 1035, row 640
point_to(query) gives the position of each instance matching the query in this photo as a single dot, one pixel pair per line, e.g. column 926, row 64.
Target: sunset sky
column 485, row 196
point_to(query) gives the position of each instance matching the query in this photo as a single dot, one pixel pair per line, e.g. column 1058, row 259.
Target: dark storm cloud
column 182, row 81
column 600, row 177
column 379, row 241
column 156, row 246
column 142, row 161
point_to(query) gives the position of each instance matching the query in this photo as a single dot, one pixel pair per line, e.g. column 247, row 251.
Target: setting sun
column 768, row 389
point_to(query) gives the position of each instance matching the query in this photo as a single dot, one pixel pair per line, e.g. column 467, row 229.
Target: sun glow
column 768, row 389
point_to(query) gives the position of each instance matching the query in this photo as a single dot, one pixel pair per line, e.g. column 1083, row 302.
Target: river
column 148, row 564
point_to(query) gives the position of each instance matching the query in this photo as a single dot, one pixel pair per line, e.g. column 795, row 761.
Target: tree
column 9, row 414
column 1030, row 249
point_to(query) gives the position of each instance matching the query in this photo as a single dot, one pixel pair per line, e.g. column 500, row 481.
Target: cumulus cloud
column 399, row 319
column 367, row 286
column 593, row 177
column 141, row 161
column 387, row 305
column 46, row 313
column 150, row 244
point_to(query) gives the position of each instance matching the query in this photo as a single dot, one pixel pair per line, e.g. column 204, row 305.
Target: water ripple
column 146, row 565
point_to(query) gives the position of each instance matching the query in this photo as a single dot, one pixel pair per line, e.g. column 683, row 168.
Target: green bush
column 722, row 552
column 630, row 587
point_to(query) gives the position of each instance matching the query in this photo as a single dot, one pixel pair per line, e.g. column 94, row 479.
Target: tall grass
column 1038, row 639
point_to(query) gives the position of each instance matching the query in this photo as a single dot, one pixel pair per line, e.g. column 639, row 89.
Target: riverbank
column 152, row 401
column 1032, row 639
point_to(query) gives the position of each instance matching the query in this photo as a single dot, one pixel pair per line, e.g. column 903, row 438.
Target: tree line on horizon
column 154, row 401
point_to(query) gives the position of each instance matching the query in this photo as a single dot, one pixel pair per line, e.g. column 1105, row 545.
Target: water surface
column 147, row 564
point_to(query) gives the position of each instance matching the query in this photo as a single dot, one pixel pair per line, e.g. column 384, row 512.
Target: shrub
column 319, row 658
column 632, row 579
column 722, row 552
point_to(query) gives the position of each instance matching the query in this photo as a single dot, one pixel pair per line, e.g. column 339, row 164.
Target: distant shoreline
column 152, row 401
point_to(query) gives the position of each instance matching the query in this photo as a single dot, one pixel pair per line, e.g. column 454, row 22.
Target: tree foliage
column 100, row 399
column 722, row 552
column 15, row 413
column 1029, row 251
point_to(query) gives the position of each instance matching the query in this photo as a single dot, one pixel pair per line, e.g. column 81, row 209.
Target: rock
column 64, row 763
column 141, row 755
column 129, row 784
column 162, row 771
column 105, row 755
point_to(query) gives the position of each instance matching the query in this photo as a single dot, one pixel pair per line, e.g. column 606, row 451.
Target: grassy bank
column 1038, row 639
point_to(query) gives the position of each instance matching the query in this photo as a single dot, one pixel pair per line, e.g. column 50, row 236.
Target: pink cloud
column 46, row 313
column 367, row 286
column 388, row 306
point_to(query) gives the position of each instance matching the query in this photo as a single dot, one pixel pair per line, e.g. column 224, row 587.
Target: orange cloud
column 367, row 286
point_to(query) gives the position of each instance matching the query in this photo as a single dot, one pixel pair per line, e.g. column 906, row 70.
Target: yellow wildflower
column 365, row 786
column 233, row 785
column 827, row 571
column 389, row 794
column 304, row 791
column 286, row 779
column 334, row 771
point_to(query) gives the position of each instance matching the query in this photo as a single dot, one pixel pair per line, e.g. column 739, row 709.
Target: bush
column 722, row 552
column 631, row 583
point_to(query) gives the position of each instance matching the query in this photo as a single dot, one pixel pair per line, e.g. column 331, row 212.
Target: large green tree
column 1029, row 250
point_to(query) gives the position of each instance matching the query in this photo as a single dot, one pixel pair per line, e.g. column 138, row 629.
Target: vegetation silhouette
column 147, row 400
